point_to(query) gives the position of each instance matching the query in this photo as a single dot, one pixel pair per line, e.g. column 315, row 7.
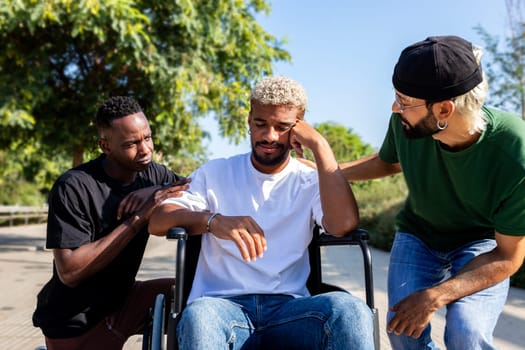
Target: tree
column 506, row 68
column 181, row 59
column 345, row 144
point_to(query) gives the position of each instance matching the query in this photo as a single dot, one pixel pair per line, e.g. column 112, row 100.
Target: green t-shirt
column 460, row 197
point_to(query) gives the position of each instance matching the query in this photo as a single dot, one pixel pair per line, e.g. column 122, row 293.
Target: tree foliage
column 505, row 68
column 25, row 177
column 181, row 59
column 345, row 144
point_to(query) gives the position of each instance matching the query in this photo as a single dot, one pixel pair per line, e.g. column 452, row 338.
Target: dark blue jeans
column 334, row 320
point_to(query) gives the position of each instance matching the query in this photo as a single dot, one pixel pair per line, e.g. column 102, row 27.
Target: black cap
column 437, row 68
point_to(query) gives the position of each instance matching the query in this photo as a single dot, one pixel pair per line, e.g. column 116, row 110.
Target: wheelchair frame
column 160, row 321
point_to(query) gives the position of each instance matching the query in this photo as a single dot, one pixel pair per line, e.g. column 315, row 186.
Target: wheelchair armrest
column 353, row 238
column 357, row 237
column 177, row 233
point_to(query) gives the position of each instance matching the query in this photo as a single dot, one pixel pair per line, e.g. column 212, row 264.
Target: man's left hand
column 413, row 314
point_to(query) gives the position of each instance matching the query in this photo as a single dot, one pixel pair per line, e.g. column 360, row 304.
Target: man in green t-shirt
column 461, row 232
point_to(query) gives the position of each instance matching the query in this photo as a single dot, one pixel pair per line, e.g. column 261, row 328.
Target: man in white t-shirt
column 256, row 212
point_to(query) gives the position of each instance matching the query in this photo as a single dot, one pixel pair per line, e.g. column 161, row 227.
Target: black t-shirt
column 83, row 207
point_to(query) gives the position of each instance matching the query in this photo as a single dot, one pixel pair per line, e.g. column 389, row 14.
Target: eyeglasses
column 402, row 108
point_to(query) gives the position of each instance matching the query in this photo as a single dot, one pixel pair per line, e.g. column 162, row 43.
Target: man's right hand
column 244, row 231
column 169, row 191
column 142, row 202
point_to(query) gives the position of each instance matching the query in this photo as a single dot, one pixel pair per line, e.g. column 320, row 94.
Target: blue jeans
column 335, row 320
column 470, row 321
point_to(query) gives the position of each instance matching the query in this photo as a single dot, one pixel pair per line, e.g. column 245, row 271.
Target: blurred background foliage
column 182, row 60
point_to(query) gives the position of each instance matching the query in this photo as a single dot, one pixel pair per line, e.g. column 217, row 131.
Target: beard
column 268, row 159
column 425, row 127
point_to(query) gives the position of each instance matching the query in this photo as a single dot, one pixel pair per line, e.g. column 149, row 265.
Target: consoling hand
column 244, row 231
column 147, row 199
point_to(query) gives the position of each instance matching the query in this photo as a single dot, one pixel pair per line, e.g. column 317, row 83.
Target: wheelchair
column 163, row 316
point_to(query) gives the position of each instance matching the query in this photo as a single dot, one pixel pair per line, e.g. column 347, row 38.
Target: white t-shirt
column 285, row 205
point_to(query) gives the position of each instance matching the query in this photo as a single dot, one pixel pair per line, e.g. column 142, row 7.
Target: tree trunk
column 78, row 155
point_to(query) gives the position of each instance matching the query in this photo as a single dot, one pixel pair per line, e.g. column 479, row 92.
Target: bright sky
column 343, row 53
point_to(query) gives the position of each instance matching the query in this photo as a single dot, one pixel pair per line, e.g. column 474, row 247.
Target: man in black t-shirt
column 97, row 229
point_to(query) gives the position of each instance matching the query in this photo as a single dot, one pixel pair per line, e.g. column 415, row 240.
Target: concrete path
column 25, row 266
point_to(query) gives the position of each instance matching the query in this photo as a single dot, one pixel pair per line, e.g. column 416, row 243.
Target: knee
column 468, row 327
column 463, row 335
column 351, row 322
column 345, row 303
column 350, row 312
column 198, row 316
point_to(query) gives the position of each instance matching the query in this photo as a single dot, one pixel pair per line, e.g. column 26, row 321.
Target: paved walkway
column 25, row 266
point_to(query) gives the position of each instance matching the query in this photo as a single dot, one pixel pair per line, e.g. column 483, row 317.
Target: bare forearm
column 337, row 199
column 480, row 273
column 75, row 266
column 368, row 168
column 170, row 215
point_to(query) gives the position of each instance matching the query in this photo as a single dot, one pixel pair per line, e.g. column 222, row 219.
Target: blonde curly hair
column 279, row 91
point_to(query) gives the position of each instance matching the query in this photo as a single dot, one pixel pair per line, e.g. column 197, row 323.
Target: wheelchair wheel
column 153, row 337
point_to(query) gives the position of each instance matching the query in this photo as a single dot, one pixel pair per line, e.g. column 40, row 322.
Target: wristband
column 212, row 216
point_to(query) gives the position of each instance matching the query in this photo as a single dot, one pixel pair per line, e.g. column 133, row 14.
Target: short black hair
column 116, row 107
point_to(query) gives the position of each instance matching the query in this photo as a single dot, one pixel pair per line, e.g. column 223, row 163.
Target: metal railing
column 13, row 214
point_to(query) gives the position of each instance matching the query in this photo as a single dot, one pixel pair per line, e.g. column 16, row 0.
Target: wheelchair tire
column 157, row 331
column 153, row 338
